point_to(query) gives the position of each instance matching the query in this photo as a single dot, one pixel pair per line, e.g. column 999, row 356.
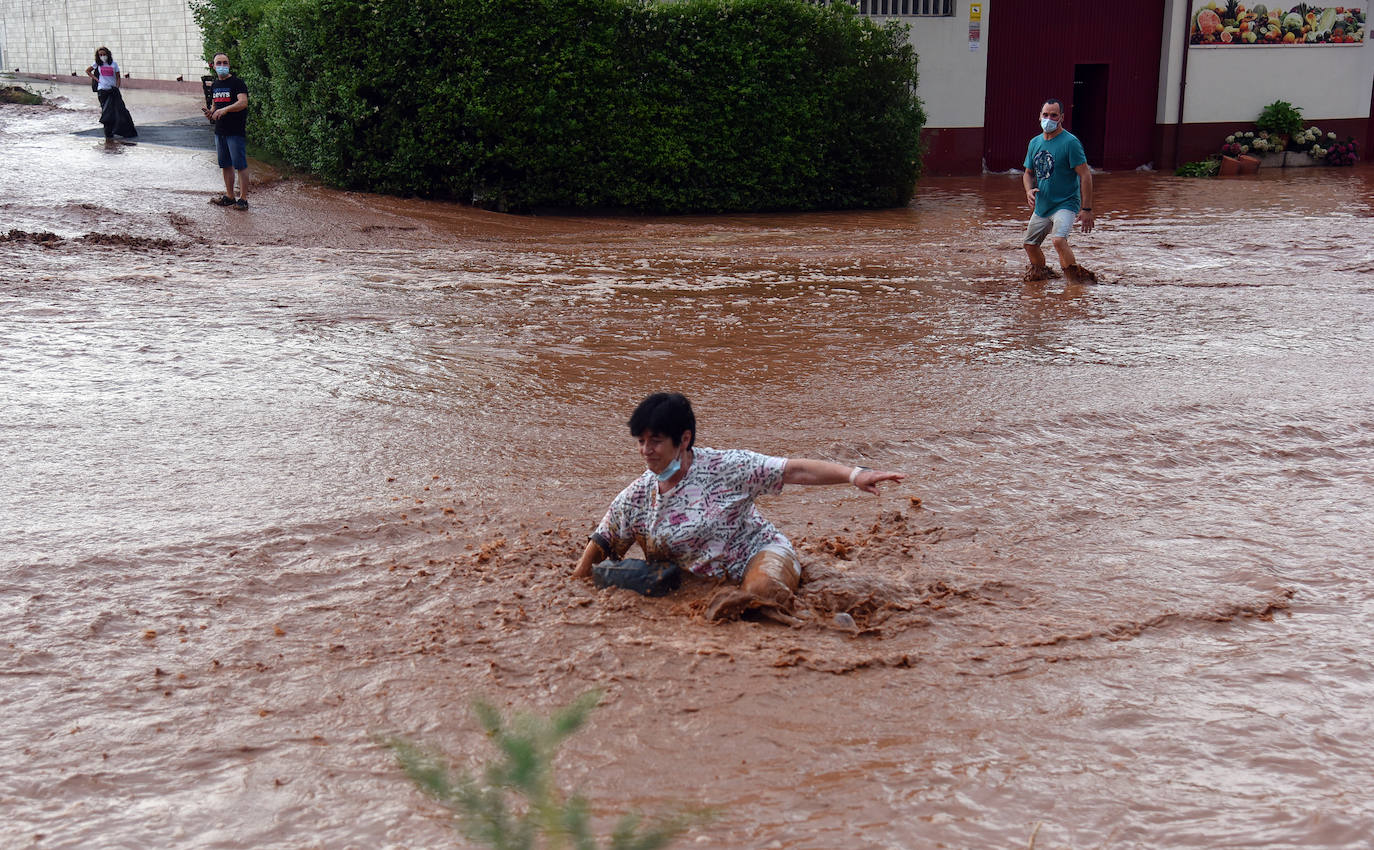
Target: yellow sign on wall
column 975, row 11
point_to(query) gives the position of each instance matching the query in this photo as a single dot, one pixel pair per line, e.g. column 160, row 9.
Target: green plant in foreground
column 1201, row 168
column 527, row 745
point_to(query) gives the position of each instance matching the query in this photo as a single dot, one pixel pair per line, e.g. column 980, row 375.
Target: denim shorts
column 233, row 152
column 1061, row 220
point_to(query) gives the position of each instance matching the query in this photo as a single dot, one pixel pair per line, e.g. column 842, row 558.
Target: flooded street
column 280, row 483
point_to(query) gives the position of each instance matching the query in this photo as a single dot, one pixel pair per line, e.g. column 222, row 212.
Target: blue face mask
column 1049, row 125
column 222, row 70
column 671, row 469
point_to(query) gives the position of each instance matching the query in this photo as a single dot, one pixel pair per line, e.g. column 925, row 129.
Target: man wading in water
column 1059, row 188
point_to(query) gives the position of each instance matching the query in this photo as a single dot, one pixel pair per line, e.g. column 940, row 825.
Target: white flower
column 1249, row 135
column 1331, row 135
column 1230, row 139
column 1244, row 148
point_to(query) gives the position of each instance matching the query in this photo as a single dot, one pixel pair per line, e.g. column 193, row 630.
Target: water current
column 279, row 483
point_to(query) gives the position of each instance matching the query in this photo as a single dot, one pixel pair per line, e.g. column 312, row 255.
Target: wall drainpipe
column 1183, row 82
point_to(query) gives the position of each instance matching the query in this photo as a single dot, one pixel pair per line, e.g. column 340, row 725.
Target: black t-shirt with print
column 222, row 94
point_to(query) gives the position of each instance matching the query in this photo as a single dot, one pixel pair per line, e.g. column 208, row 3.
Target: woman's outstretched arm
column 801, row 470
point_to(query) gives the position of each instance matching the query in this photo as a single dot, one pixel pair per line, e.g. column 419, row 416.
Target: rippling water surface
column 278, row 483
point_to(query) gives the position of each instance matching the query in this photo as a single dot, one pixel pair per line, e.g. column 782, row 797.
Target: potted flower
column 1299, row 147
column 1341, row 153
column 1249, row 162
column 1235, row 158
column 1280, row 119
column 1268, row 149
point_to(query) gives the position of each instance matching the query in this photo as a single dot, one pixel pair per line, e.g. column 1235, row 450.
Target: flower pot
column 1229, row 166
column 1298, row 159
column 1249, row 164
column 1272, row 160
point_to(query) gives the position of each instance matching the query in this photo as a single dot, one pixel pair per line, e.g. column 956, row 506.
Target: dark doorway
column 1088, row 117
column 1035, row 50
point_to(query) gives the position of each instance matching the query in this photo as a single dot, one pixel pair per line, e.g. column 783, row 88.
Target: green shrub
column 517, row 802
column 1201, row 168
column 1281, row 118
column 226, row 24
column 696, row 105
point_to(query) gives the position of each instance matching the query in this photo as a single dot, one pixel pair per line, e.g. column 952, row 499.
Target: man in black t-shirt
column 229, row 110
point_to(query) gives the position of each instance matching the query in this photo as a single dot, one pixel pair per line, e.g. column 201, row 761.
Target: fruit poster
column 1232, row 23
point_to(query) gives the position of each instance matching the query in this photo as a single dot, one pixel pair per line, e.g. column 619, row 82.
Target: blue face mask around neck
column 671, row 469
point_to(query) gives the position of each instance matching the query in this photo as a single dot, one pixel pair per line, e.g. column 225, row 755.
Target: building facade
column 1141, row 85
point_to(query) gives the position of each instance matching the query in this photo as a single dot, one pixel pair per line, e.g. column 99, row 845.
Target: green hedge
column 684, row 106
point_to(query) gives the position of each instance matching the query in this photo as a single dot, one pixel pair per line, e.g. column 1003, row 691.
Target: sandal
column 222, row 201
column 241, row 204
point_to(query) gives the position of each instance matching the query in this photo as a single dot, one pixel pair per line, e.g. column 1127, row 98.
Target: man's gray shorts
column 1057, row 223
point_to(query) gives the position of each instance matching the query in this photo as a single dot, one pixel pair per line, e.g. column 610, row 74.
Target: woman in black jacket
column 114, row 115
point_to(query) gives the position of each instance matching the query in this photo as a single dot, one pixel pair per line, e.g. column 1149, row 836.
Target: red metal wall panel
column 1033, row 46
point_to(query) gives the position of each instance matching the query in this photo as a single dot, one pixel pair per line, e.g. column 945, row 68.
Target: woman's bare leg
column 770, row 580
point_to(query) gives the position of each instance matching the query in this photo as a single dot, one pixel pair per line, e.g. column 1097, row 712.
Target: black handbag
column 650, row 579
column 95, row 84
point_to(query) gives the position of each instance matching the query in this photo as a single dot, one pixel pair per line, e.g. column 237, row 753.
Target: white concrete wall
column 1232, row 84
column 953, row 78
column 1171, row 61
column 150, row 39
column 1235, row 83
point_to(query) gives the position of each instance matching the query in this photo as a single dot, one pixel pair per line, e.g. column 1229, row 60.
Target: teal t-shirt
column 1053, row 162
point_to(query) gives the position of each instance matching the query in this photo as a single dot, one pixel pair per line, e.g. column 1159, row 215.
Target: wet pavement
column 282, row 481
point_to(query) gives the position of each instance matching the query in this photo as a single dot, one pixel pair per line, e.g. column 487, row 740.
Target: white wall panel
column 150, row 39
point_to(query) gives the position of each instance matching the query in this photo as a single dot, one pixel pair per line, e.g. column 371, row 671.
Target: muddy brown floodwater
column 278, row 483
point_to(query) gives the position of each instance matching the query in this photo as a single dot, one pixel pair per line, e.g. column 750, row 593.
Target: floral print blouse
column 707, row 523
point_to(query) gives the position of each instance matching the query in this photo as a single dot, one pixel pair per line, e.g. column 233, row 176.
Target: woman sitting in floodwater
column 694, row 507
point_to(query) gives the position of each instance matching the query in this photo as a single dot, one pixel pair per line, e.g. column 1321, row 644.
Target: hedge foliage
column 679, row 106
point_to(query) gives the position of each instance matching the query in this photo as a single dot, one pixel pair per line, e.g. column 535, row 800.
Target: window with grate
column 899, row 8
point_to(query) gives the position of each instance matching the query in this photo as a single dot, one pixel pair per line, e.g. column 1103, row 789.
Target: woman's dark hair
column 102, row 49
column 669, row 414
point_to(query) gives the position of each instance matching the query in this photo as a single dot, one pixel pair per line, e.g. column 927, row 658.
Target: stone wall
column 150, row 39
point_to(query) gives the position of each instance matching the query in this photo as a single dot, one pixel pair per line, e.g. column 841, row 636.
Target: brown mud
column 19, row 95
column 48, row 239
column 283, row 482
